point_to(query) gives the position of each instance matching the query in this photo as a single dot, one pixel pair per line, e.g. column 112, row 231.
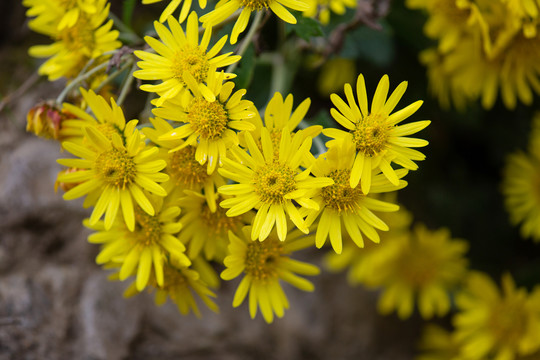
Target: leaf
column 375, row 46
column 244, row 71
column 305, row 27
column 127, row 11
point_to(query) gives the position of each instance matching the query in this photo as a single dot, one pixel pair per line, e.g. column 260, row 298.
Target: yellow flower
column 323, row 8
column 173, row 5
column 339, row 202
column 502, row 324
column 209, row 125
column 271, row 184
column 87, row 39
column 185, row 173
column 521, row 189
column 205, row 230
column 438, row 344
column 180, row 284
column 113, row 171
column 423, row 267
column 226, row 8
column 58, row 14
column 180, row 55
column 147, row 247
column 264, row 264
column 378, row 139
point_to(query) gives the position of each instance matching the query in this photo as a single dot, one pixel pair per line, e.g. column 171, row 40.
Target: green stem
column 78, row 80
column 113, row 76
column 247, row 40
column 127, row 84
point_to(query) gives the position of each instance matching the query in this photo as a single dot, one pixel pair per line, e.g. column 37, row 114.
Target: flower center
column 340, row 196
column 115, row 167
column 67, row 4
column 185, row 170
column 371, row 134
column 218, row 223
column 79, row 37
column 148, row 230
column 508, row 321
column 208, row 119
column 262, row 257
column 192, row 59
column 255, row 5
column 449, row 10
column 418, row 266
column 273, row 182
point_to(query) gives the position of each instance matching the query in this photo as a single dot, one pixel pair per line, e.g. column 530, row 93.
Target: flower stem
column 78, row 80
column 247, row 40
column 126, row 86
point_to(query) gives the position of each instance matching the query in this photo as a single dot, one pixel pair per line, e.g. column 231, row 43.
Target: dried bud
column 45, row 120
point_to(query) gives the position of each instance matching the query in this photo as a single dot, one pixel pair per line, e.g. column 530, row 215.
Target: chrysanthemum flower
column 112, row 170
column 323, row 8
column 178, row 55
column 521, row 189
column 147, row 247
column 209, row 125
column 58, row 14
column 87, row 39
column 205, row 230
column 185, row 173
column 180, row 284
column 271, row 184
column 173, row 5
column 341, row 203
column 264, row 264
column 502, row 324
column 378, row 139
column 422, row 268
column 226, row 8
column 363, row 263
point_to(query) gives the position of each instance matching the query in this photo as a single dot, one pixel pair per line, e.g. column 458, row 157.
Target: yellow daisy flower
column 205, row 230
column 521, row 189
column 423, row 267
column 173, row 5
column 180, row 284
column 225, row 8
column 185, row 173
column 339, row 202
column 503, row 324
column 209, row 125
column 147, row 247
column 271, row 184
column 112, row 171
column 178, row 56
column 58, row 14
column 264, row 264
column 87, row 39
column 379, row 140
column 322, row 9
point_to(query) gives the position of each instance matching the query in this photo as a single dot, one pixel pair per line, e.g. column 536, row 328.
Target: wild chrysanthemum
column 209, row 125
column 87, row 39
column 521, row 189
column 114, row 171
column 269, row 184
column 323, row 8
column 421, row 268
column 58, row 14
column 173, row 5
column 185, row 173
column 341, row 204
column 206, row 231
column 180, row 55
column 180, row 284
column 226, row 8
column 363, row 263
column 490, row 322
column 378, row 139
column 147, row 247
column 264, row 264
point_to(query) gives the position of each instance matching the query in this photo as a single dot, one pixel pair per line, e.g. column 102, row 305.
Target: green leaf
column 375, row 46
column 127, row 11
column 305, row 27
column 244, row 71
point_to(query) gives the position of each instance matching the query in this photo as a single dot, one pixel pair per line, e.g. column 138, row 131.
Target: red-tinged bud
column 45, row 120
